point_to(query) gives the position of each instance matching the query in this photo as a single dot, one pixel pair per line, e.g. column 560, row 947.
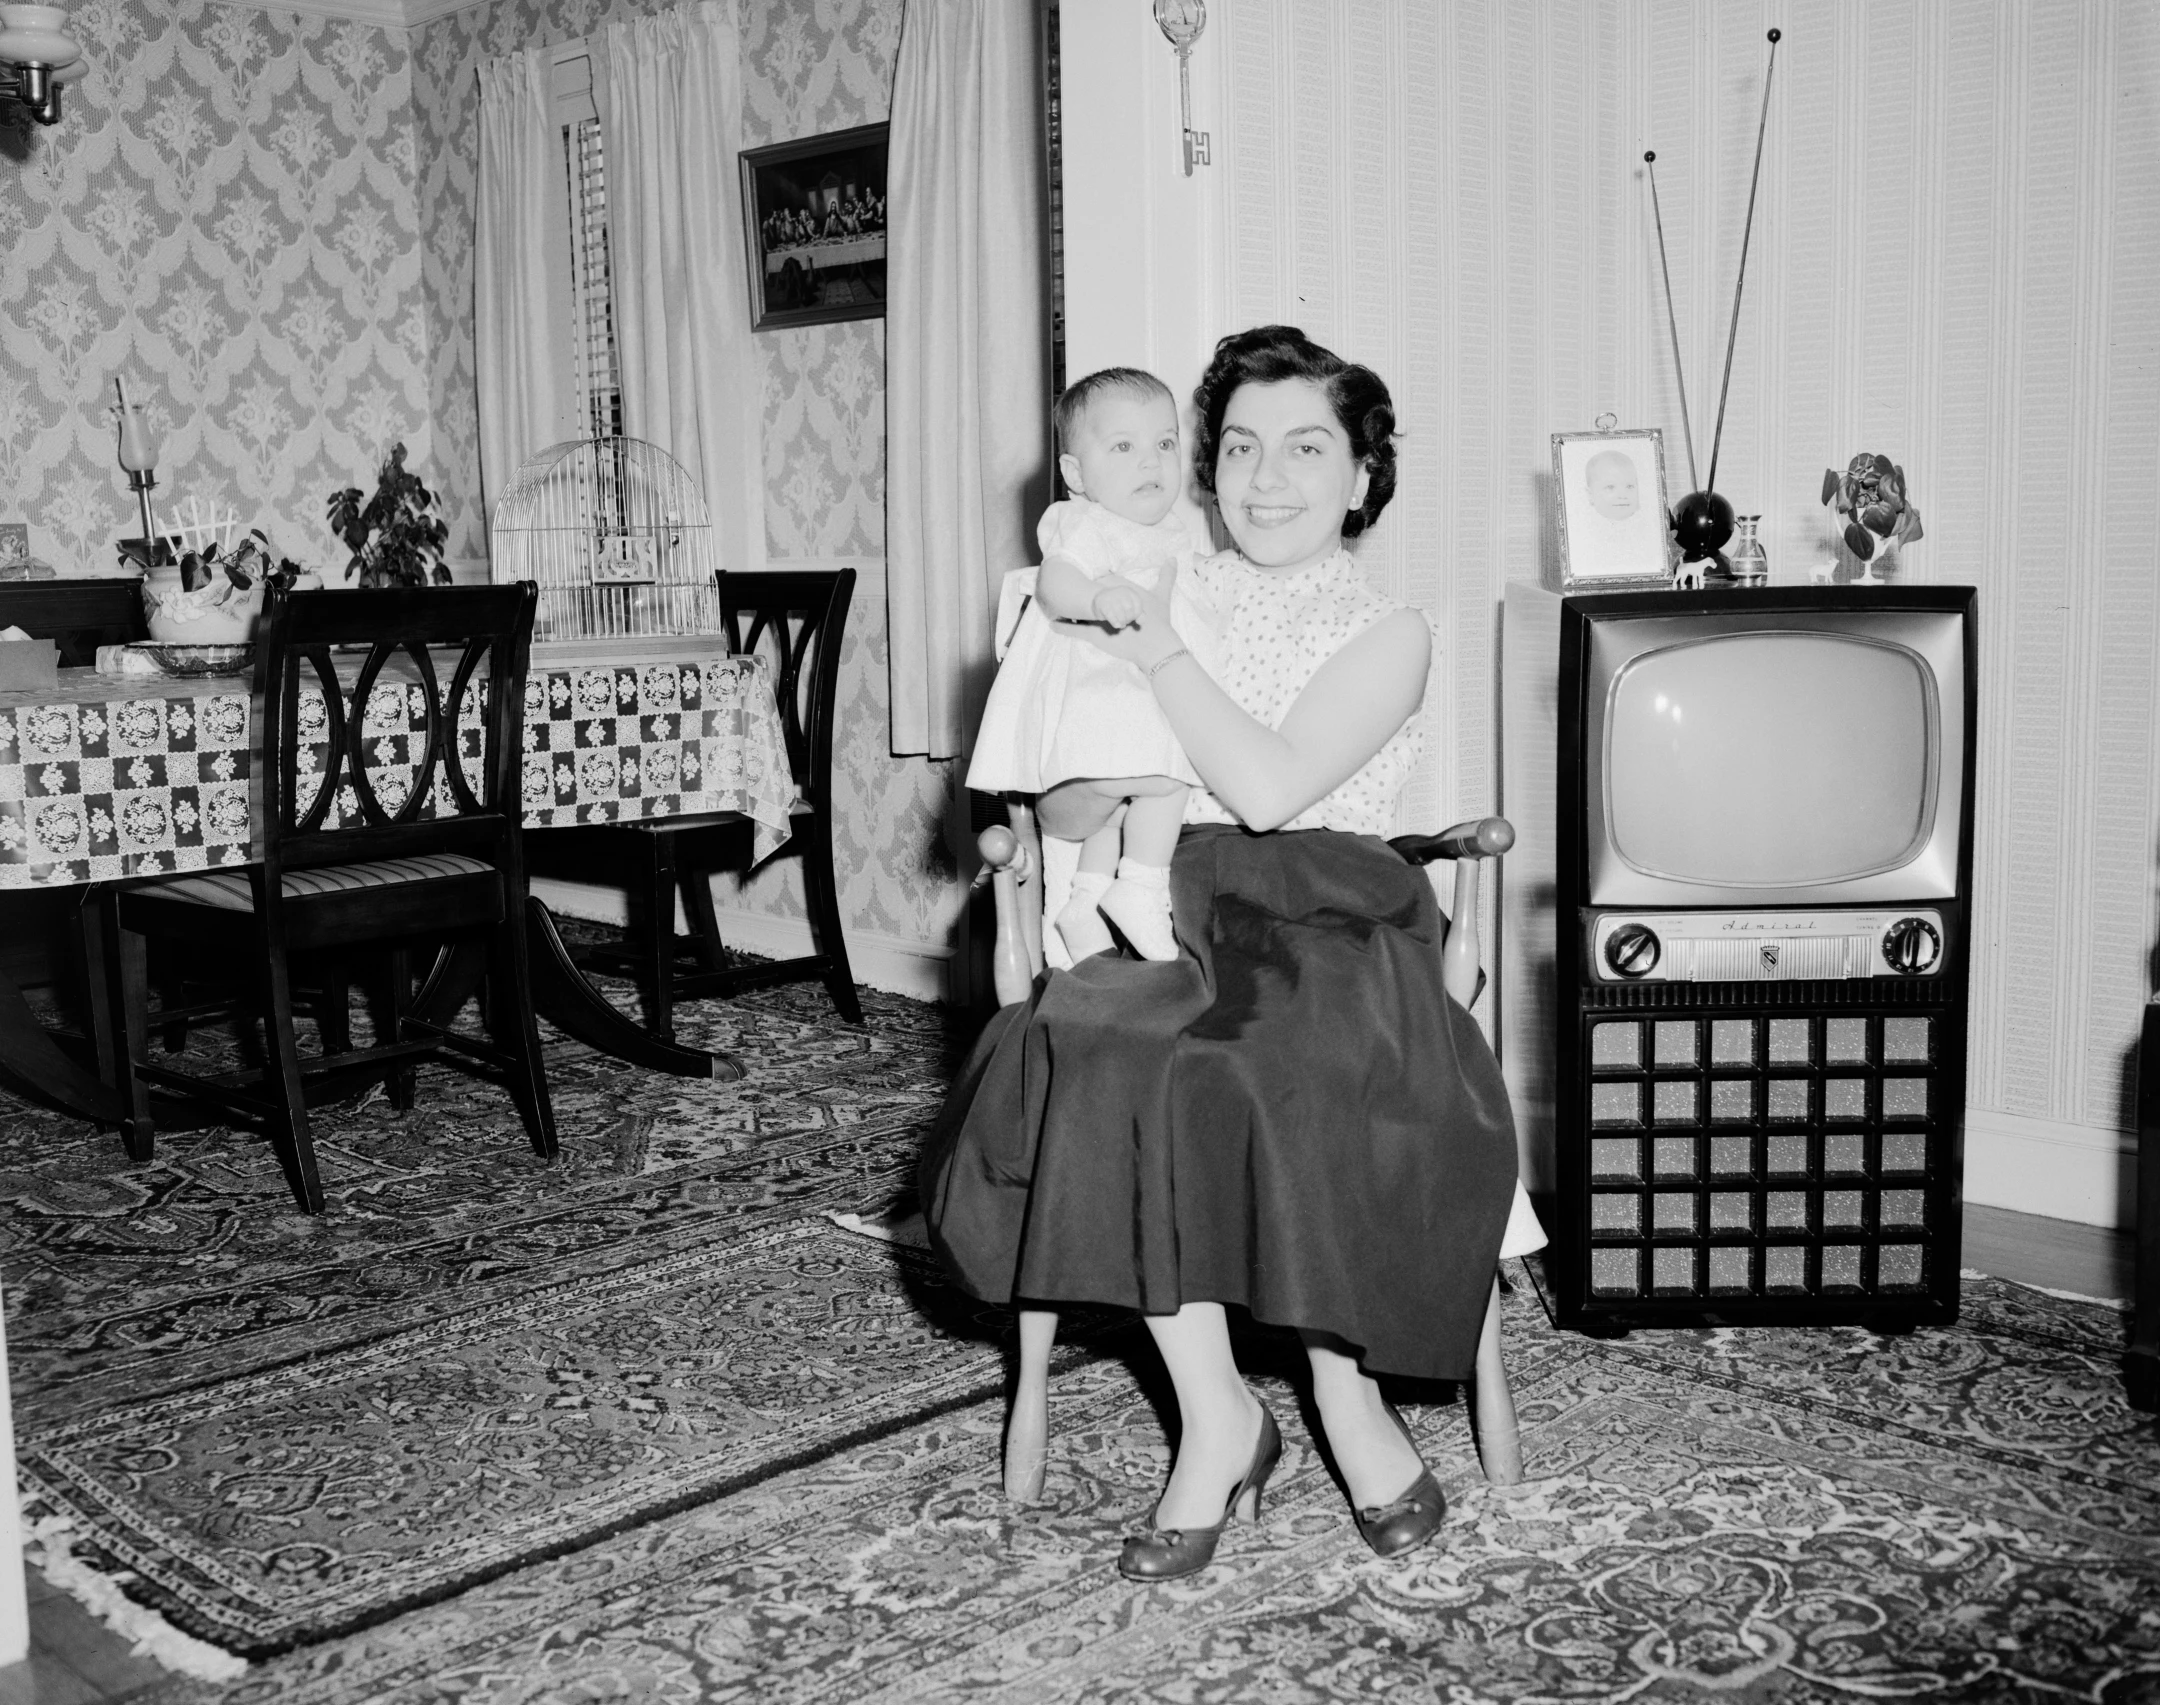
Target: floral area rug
column 1781, row 1514
column 646, row 1426
column 274, row 1427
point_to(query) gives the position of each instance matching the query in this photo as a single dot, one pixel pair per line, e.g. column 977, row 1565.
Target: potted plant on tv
column 396, row 539
column 1880, row 519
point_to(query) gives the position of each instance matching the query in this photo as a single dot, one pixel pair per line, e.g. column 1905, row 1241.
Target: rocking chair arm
column 1482, row 837
column 1468, row 844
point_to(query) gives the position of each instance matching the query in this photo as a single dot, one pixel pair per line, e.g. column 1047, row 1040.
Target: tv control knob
column 1632, row 950
column 1911, row 946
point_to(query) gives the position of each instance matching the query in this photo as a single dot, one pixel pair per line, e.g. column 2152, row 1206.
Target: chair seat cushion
column 230, row 890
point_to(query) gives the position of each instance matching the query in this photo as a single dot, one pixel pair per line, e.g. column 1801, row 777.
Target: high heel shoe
column 1413, row 1518
column 1166, row 1553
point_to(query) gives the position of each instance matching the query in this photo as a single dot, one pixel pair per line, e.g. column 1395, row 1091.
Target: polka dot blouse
column 1281, row 629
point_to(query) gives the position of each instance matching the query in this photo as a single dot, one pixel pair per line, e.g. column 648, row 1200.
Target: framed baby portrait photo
column 1612, row 509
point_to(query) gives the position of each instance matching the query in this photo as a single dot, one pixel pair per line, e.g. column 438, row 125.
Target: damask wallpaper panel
column 227, row 218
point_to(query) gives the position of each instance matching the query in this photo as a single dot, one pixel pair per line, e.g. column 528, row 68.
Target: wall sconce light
column 1182, row 21
column 37, row 58
column 138, row 456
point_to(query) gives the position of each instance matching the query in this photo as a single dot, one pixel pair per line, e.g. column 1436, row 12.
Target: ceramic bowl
column 207, row 616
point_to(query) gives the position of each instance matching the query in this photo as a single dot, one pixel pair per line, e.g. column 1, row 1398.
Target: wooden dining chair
column 1012, row 862
column 795, row 619
column 373, row 832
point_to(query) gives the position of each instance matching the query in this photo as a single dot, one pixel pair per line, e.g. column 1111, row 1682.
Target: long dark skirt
column 1292, row 1117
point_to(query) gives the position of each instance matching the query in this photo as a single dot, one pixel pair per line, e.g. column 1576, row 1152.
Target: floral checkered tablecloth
column 107, row 777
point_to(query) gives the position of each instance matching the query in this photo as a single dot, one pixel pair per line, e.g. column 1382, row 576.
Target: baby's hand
column 1118, row 606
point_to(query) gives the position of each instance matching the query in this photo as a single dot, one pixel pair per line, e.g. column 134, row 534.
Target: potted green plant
column 221, row 592
column 1879, row 517
column 396, row 539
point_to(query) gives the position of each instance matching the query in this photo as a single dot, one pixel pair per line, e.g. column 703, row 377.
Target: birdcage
column 615, row 535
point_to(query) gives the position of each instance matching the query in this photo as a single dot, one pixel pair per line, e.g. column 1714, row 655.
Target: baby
column 1063, row 715
column 1614, row 490
column 1620, row 531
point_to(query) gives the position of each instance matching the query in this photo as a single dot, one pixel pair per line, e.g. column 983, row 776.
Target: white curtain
column 669, row 93
column 515, row 334
column 967, row 352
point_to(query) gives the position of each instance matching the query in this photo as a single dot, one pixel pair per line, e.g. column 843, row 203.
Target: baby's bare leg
column 1138, row 902
column 1079, row 921
column 1099, row 852
column 1074, row 810
column 1152, row 821
column 1089, row 812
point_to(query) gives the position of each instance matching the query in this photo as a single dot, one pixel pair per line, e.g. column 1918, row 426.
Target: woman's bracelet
column 1155, row 668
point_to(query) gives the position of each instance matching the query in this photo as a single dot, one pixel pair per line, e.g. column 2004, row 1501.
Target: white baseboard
column 2050, row 1167
column 918, row 969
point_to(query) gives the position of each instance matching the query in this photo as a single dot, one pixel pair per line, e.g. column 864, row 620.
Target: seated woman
column 1292, row 1116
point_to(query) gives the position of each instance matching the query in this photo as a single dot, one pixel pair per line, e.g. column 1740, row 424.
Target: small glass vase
column 1750, row 562
column 1881, row 568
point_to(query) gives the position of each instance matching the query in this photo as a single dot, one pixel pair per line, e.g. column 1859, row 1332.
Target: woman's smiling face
column 1284, row 475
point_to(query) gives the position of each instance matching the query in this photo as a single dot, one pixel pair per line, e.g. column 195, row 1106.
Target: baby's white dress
column 1061, row 709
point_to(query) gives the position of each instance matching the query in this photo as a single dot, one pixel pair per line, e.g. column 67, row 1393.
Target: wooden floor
column 2057, row 1255
column 74, row 1660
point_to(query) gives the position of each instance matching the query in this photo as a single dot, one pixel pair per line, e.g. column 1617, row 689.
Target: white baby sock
column 1079, row 923
column 1060, row 863
column 1138, row 902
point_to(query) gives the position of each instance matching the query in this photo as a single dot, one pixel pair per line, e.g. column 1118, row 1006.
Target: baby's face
column 1612, row 485
column 1125, row 456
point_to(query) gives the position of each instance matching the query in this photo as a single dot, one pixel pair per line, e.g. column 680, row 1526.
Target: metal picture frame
column 1614, row 523
column 814, row 230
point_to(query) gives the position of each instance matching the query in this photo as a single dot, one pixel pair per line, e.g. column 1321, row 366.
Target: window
column 581, row 292
column 596, row 379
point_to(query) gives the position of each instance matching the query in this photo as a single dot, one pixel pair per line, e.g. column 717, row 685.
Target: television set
column 1756, row 854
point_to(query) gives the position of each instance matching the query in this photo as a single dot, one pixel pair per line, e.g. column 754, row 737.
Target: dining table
column 125, row 778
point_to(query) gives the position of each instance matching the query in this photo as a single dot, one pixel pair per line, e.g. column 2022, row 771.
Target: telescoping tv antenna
column 1703, row 520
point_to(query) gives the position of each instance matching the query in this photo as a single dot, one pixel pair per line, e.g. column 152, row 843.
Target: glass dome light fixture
column 38, row 58
column 1181, row 21
column 138, row 460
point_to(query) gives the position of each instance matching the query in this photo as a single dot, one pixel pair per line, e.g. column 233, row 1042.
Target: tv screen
column 1772, row 756
column 1763, row 760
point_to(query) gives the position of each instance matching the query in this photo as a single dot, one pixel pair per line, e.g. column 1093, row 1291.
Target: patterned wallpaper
column 227, row 218
column 808, row 66
column 1955, row 243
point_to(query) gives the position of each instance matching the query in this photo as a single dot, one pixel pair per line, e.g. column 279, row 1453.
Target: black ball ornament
column 1702, row 522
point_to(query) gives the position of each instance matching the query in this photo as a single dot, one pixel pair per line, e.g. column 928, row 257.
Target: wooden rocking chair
column 1012, row 864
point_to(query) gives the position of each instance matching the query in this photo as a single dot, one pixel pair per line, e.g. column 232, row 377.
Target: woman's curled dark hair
column 1267, row 355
